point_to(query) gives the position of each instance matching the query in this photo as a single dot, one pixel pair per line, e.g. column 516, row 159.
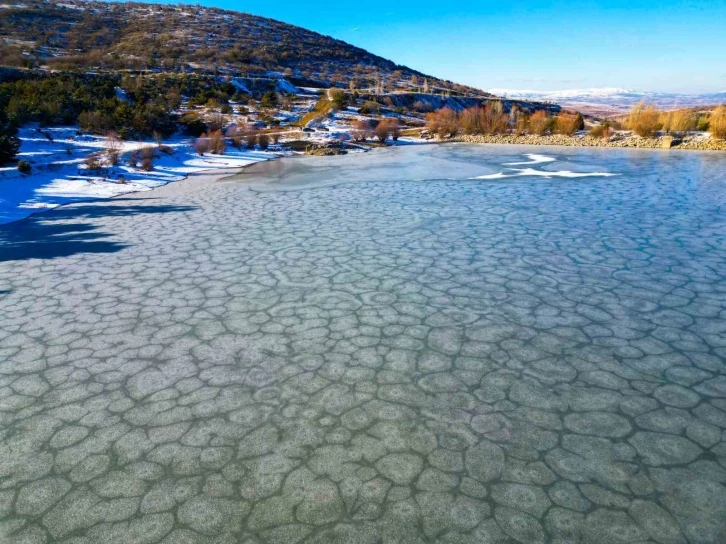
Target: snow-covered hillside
column 614, row 98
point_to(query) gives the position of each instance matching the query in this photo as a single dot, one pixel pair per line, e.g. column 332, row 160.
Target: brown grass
column 113, row 145
column 216, row 142
column 600, row 131
column 679, row 121
column 568, row 123
column 717, row 123
column 644, row 120
column 201, row 145
column 148, row 153
column 539, row 123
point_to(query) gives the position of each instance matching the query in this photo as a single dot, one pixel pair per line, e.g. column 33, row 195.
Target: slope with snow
column 60, row 174
column 614, row 98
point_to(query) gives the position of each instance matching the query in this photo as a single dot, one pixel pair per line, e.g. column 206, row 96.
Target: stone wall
column 586, row 141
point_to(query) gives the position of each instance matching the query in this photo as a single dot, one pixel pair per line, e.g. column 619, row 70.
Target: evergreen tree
column 9, row 141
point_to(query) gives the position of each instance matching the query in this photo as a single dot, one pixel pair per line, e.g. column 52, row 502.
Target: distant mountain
column 112, row 36
column 614, row 99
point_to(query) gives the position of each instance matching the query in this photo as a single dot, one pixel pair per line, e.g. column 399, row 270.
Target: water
column 382, row 347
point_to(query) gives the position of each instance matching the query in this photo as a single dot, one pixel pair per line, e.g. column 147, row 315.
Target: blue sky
column 666, row 45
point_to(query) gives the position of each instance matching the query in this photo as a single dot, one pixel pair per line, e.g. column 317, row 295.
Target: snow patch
column 544, row 174
column 286, row 87
column 59, row 174
column 533, row 159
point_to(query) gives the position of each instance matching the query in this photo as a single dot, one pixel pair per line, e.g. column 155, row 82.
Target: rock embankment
column 586, row 141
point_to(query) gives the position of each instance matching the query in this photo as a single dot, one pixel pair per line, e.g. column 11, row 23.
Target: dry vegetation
column 601, row 131
column 717, row 123
column 568, row 123
column 644, row 120
column 539, row 123
column 491, row 119
column 648, row 121
column 75, row 34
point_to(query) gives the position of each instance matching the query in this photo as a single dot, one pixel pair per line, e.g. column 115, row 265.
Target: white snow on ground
column 613, row 96
column 533, row 159
column 239, row 85
column 59, row 174
column 285, row 86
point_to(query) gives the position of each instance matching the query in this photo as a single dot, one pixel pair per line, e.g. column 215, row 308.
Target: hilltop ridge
column 79, row 34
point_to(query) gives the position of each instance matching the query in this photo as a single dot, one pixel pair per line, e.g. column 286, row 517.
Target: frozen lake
column 459, row 344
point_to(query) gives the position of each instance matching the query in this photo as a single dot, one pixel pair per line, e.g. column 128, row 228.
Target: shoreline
column 628, row 142
column 225, row 173
column 215, row 174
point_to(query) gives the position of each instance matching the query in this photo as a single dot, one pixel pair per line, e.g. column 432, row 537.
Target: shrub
column 702, row 125
column 600, row 131
column 269, row 100
column 201, row 145
column 235, row 136
column 9, row 141
column 193, row 125
column 147, row 158
column 369, row 107
column 216, row 142
column 644, row 120
column 112, row 144
column 487, row 120
column 394, row 130
column 95, row 122
column 251, row 139
column 362, row 130
column 338, row 98
column 679, row 121
column 568, row 123
column 215, row 122
column 264, row 141
column 384, row 128
column 24, row 167
column 443, row 122
column 717, row 123
column 93, row 163
column 422, row 107
column 540, row 122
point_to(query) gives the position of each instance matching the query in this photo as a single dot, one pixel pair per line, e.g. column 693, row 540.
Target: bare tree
column 112, row 145
column 201, row 145
column 386, row 128
column 216, row 143
column 215, row 122
column 148, row 153
column 235, row 135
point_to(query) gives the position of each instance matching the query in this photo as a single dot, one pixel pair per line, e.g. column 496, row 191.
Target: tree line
column 492, row 119
column 133, row 107
column 647, row 120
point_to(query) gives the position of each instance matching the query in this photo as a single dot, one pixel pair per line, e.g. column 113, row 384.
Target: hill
column 607, row 101
column 80, row 35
